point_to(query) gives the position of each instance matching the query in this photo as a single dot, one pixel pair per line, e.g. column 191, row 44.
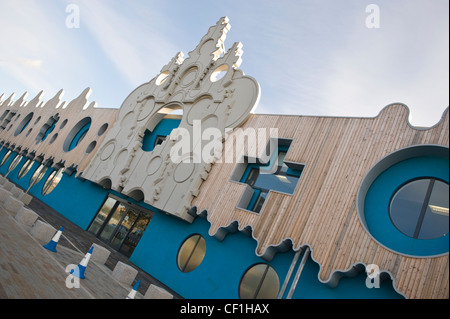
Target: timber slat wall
column 321, row 213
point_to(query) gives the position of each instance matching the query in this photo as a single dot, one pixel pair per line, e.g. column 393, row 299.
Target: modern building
column 216, row 201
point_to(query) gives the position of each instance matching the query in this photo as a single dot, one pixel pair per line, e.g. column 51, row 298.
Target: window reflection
column 120, row 225
column 102, row 215
column 38, row 174
column 14, row 163
column 419, row 209
column 259, row 282
column 25, row 168
column 113, row 222
column 52, row 181
column 191, row 253
column 275, row 176
column 5, row 158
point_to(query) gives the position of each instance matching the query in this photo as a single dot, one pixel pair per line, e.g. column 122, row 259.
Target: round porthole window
column 259, row 282
column 419, row 209
column 403, row 201
column 63, row 124
column 191, row 253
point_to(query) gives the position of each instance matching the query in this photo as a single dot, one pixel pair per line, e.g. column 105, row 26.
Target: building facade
column 218, row 202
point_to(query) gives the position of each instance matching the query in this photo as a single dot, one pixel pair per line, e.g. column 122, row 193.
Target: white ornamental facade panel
column 210, row 91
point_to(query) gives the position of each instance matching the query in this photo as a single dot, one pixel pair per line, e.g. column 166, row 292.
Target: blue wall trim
column 376, row 207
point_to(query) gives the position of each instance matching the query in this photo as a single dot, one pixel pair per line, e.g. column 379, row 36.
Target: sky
column 310, row 57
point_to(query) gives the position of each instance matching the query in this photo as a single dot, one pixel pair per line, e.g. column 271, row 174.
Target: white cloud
column 35, row 64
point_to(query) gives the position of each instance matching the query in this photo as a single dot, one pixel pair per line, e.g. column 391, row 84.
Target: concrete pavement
column 28, row 270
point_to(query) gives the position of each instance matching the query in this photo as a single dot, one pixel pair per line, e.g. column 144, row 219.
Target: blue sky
column 311, row 57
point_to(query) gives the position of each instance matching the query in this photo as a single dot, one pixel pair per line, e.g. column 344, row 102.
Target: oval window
column 162, row 78
column 23, row 124
column 77, row 134
column 38, row 174
column 219, row 73
column 191, row 253
column 259, row 282
column 25, row 168
column 102, row 129
column 5, row 158
column 52, row 181
column 14, row 163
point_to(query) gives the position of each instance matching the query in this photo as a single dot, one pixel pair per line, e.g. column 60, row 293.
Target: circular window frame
column 182, row 268
column 260, row 282
column 418, row 222
column 421, row 248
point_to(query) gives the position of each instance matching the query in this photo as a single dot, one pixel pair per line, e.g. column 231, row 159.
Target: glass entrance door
column 133, row 237
column 120, row 225
column 122, row 230
column 114, row 221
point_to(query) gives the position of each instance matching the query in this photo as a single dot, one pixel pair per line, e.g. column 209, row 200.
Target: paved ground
column 29, row 271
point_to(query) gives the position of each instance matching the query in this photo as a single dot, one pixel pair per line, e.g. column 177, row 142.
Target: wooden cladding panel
column 337, row 152
column 52, row 146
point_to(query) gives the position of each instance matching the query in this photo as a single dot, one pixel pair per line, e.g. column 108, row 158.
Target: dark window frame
column 423, row 210
column 128, row 205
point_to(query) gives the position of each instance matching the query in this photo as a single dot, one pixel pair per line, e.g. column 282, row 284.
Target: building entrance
column 120, row 224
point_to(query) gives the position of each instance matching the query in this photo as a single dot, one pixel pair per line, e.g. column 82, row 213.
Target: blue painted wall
column 75, row 199
column 164, row 128
column 376, row 208
column 224, row 264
